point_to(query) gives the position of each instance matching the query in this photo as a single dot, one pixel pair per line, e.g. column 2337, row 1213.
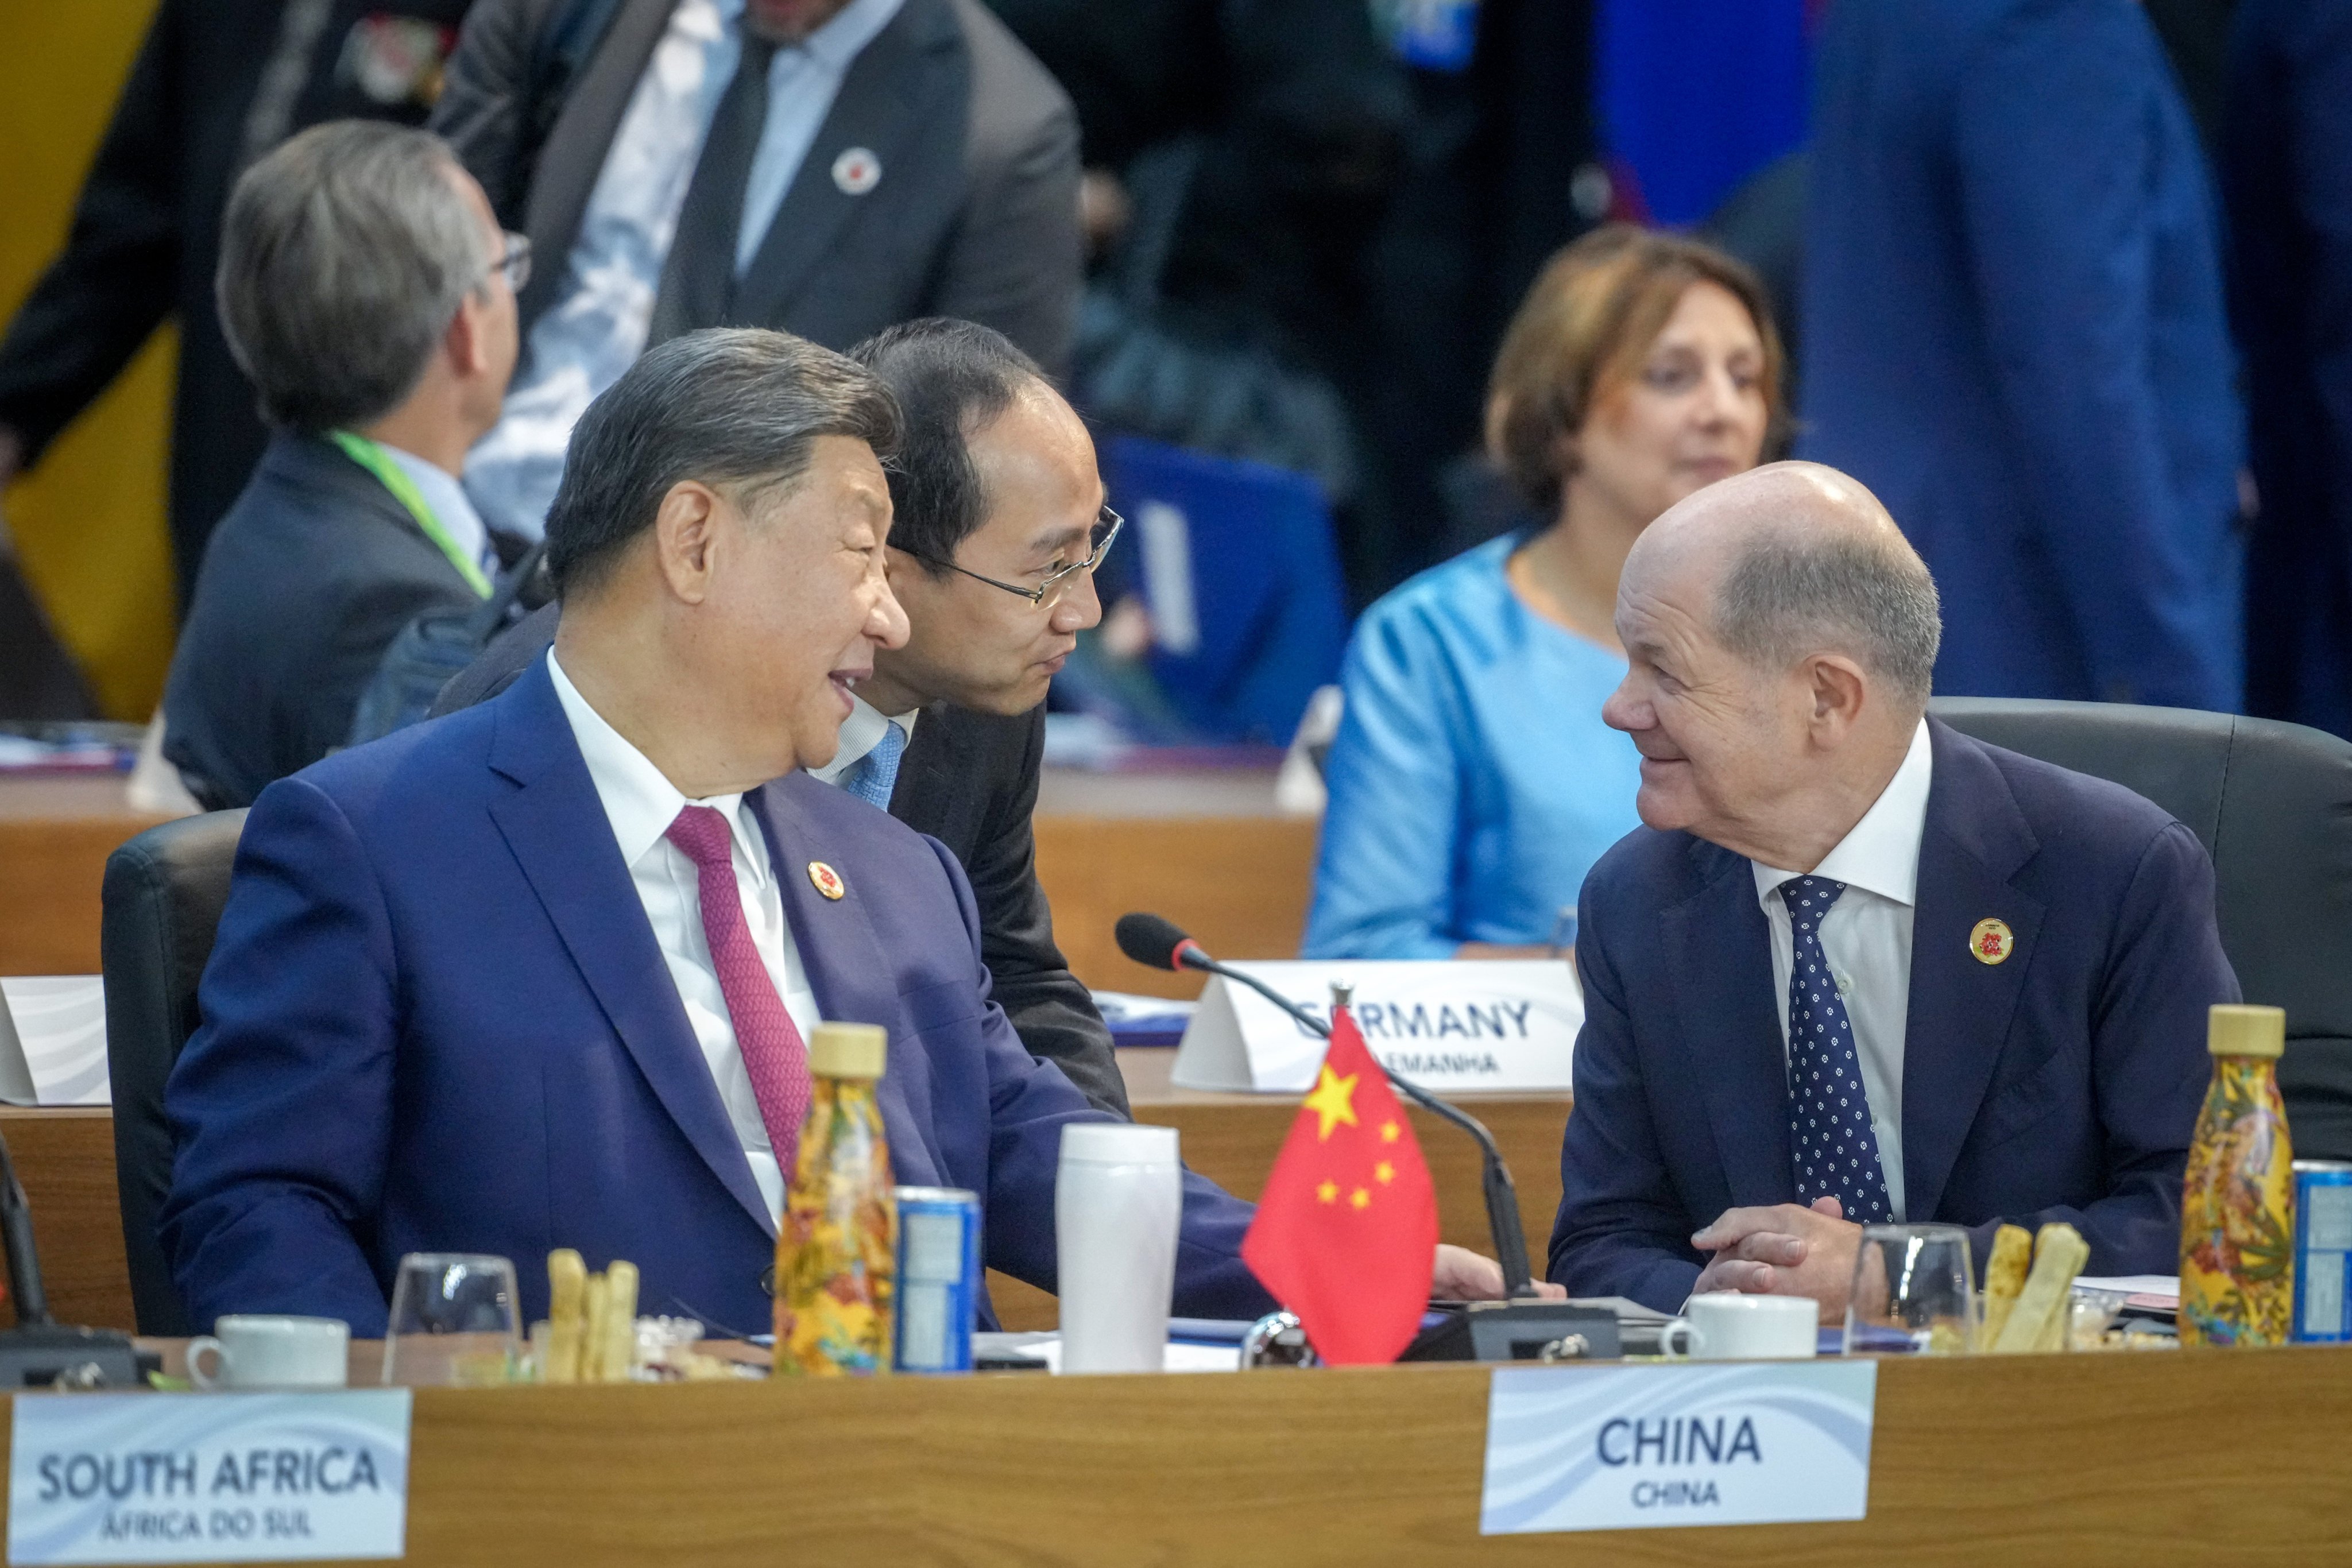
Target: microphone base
column 1520, row 1331
column 41, row 1355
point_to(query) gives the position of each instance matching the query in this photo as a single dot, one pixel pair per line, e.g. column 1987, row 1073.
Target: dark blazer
column 975, row 215
column 306, row 582
column 2287, row 170
column 146, row 235
column 970, row 781
column 2061, row 1084
column 435, row 1019
column 2014, row 334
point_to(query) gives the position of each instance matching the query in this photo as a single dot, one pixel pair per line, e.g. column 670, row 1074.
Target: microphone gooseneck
column 1161, row 944
column 17, row 1242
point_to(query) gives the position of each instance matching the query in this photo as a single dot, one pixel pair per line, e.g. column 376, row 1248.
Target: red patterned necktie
column 774, row 1055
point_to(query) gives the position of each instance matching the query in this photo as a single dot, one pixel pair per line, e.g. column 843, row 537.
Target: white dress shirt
column 451, row 506
column 861, row 732
column 641, row 804
column 1867, row 936
column 596, row 325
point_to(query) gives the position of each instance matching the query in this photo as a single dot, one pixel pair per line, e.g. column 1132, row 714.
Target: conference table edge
column 2021, row 1460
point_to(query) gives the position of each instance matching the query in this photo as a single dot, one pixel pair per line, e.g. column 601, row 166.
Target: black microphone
column 1160, row 944
column 39, row 1352
column 17, row 1242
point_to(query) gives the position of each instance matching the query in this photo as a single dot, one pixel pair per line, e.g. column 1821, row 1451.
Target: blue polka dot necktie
column 1836, row 1154
column 876, row 772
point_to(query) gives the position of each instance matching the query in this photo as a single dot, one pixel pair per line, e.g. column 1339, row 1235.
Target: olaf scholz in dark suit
column 1855, row 966
column 2060, row 1083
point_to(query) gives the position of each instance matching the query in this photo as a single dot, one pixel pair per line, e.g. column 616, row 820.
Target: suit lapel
column 852, row 977
column 581, row 140
column 1722, row 953
column 1957, row 1022
column 935, row 758
column 886, row 98
column 556, row 827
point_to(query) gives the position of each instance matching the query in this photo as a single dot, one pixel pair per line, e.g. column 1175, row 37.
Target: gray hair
column 726, row 406
column 1787, row 596
column 344, row 254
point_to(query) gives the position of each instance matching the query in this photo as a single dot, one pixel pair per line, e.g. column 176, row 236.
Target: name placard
column 1446, row 1025
column 208, row 1478
column 1634, row 1448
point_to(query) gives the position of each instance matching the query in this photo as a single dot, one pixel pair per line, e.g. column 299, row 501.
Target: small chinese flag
column 1346, row 1234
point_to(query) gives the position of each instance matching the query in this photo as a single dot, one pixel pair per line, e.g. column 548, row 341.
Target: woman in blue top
column 1472, row 782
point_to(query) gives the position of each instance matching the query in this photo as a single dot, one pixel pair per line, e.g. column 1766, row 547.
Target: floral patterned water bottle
column 2236, row 1215
column 836, row 1246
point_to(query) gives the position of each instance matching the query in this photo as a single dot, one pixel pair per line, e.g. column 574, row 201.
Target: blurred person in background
column 1472, row 782
column 824, row 167
column 217, row 84
column 365, row 288
column 1240, row 156
column 2014, row 335
column 2287, row 170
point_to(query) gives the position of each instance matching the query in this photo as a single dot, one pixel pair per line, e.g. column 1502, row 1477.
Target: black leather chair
column 2273, row 803
column 161, row 901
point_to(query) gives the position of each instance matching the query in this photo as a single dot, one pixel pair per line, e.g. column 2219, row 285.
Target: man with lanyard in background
column 367, row 291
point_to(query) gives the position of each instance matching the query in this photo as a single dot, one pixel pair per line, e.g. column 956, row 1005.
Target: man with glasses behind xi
column 997, row 523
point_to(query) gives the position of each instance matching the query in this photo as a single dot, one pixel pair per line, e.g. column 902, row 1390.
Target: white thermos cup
column 1117, row 1198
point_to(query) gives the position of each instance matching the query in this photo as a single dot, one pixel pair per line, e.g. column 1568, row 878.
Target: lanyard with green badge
column 376, row 461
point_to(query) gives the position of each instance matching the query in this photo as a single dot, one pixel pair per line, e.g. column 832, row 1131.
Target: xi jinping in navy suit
column 2001, row 1015
column 436, row 1021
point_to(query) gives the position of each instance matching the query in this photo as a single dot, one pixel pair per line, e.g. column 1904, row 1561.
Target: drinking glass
column 1915, row 1293
column 454, row 1321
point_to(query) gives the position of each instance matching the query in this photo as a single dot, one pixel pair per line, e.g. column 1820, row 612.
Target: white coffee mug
column 1118, row 1200
column 269, row 1352
column 1723, row 1325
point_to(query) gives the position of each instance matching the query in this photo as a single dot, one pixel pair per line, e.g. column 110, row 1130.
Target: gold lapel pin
column 1991, row 942
column 827, row 881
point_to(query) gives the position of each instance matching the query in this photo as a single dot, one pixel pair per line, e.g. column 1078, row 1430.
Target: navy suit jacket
column 2062, row 1083
column 435, row 1019
column 307, row 581
column 2014, row 334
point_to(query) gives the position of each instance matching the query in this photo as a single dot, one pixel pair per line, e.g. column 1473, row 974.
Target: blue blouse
column 1473, row 783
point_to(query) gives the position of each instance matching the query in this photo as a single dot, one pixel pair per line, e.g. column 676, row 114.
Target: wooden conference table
column 2228, row 1457
column 66, row 1160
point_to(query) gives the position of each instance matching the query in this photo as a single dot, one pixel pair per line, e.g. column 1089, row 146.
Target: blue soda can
column 2323, row 1251
column 939, row 1278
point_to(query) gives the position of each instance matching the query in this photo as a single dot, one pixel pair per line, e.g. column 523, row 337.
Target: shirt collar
column 1881, row 854
column 861, row 732
column 451, row 506
column 639, row 801
column 840, row 40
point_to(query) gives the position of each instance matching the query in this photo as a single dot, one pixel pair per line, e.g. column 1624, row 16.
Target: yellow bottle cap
column 2232, row 1030
column 848, row 1050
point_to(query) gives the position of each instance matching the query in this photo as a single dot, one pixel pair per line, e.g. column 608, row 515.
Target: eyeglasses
column 515, row 264
column 1051, row 588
